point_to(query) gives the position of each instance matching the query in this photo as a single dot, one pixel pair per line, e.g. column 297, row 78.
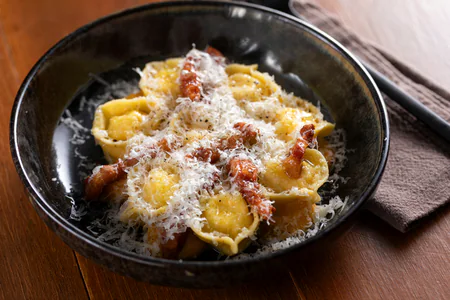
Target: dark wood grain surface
column 373, row 261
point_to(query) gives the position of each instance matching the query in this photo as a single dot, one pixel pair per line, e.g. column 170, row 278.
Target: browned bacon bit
column 249, row 133
column 164, row 145
column 245, row 176
column 213, row 51
column 293, row 163
column 242, row 170
column 215, row 54
column 108, row 174
column 190, row 85
column 205, row 154
column 105, row 175
column 114, row 192
column 307, row 133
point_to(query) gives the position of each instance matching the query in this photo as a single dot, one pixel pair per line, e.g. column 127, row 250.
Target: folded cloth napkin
column 416, row 181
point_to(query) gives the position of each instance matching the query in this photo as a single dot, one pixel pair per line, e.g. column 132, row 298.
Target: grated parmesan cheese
column 216, row 115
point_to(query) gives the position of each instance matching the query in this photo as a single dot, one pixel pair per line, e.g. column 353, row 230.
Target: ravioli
column 154, row 192
column 160, row 78
column 228, row 223
column 246, row 83
column 117, row 121
column 314, row 173
column 210, row 155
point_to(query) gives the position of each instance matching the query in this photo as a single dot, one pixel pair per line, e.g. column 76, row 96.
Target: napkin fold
column 416, row 181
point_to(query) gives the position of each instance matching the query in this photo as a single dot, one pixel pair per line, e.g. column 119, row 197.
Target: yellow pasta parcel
column 246, row 83
column 228, row 224
column 117, row 121
column 148, row 196
column 294, row 212
column 160, row 78
column 290, row 120
column 314, row 173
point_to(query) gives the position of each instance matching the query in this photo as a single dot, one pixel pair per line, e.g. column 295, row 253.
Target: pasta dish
column 210, row 154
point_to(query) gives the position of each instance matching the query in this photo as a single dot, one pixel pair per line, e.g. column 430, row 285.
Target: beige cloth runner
column 417, row 177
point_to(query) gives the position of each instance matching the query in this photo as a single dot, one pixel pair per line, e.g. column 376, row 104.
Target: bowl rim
column 40, row 200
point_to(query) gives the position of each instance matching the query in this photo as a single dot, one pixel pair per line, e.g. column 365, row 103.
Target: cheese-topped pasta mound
column 210, row 154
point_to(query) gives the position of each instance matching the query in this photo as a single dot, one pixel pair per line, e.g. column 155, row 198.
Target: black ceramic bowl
column 303, row 59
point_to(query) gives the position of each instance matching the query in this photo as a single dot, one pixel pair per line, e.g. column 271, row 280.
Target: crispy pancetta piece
column 211, row 155
column 293, row 163
column 216, row 54
column 190, row 85
column 247, row 135
column 244, row 174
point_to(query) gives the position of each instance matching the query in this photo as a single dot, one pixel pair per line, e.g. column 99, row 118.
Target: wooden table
column 373, row 261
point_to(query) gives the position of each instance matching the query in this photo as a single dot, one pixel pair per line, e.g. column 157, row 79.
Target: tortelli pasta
column 210, row 155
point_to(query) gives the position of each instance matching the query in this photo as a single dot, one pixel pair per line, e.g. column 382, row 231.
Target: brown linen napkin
column 417, row 177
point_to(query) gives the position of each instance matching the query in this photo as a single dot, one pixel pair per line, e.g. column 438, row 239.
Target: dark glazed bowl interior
column 304, row 61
